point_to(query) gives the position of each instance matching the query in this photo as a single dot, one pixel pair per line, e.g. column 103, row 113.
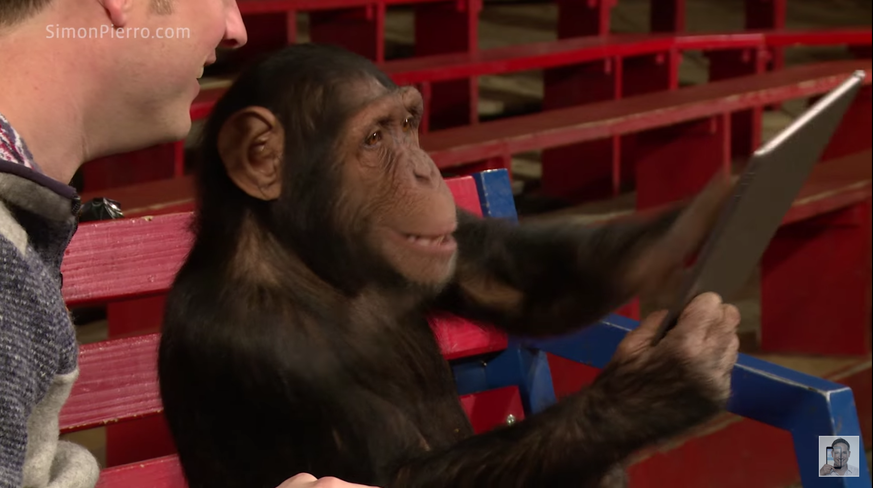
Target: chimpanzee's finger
column 698, row 317
column 640, row 339
column 728, row 325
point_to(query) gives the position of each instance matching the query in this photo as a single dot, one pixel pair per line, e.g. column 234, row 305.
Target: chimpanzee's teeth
column 425, row 241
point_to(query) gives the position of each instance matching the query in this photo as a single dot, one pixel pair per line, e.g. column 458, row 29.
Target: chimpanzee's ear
column 251, row 145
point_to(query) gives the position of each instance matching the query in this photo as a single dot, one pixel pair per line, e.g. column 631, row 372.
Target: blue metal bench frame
column 804, row 405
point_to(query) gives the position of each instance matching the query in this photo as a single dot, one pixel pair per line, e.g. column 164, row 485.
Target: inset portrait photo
column 838, row 456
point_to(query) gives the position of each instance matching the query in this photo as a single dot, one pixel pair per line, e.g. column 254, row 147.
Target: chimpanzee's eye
column 374, row 138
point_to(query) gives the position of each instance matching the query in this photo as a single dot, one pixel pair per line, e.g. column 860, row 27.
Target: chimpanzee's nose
column 425, row 171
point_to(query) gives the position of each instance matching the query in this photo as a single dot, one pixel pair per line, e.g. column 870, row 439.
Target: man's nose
column 235, row 34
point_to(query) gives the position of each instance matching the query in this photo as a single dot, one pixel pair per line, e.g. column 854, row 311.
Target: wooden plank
column 248, row 7
column 118, row 378
column 165, row 472
column 720, row 41
column 152, row 198
column 465, row 193
column 134, row 257
column 565, row 52
column 96, row 400
column 127, row 258
column 114, row 260
column 117, row 381
column 832, row 185
column 455, row 147
column 465, row 3
column 532, row 56
column 459, row 338
column 856, row 36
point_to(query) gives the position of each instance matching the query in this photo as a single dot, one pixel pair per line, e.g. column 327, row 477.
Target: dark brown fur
column 293, row 344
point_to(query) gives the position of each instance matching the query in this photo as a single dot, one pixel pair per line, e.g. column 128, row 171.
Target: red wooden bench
column 696, row 121
column 422, row 71
column 577, row 71
column 132, row 258
column 682, row 137
column 816, row 270
column 669, row 16
column 138, row 257
column 359, row 25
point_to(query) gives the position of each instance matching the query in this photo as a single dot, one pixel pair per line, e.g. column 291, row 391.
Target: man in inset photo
column 837, row 464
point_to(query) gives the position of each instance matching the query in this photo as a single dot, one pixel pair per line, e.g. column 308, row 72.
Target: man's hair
column 842, row 441
column 162, row 7
column 14, row 11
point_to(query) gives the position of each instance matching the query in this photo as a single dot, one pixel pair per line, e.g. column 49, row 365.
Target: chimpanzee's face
column 382, row 194
column 393, row 185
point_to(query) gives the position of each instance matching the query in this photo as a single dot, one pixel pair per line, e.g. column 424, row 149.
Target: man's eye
column 407, row 125
column 374, row 138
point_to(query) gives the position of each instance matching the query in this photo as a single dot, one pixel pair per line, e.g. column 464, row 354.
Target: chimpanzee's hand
column 658, row 270
column 683, row 380
column 704, row 342
column 309, row 481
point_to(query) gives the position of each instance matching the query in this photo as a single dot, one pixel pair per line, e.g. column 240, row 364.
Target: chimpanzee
column 296, row 336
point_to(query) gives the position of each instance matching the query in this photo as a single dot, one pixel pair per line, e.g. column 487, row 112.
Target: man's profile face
column 841, row 455
column 160, row 73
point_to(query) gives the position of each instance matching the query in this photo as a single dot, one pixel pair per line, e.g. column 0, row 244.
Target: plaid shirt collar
column 16, row 159
column 12, row 147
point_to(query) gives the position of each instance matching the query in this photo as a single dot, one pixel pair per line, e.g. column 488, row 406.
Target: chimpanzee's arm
column 577, row 441
column 546, row 277
column 300, row 404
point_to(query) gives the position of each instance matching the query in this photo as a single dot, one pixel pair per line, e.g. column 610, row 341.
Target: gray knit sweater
column 38, row 350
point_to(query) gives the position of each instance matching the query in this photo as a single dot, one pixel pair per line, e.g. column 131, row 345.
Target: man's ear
column 118, row 11
column 251, row 145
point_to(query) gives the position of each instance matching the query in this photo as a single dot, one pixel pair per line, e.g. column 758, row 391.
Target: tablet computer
column 762, row 197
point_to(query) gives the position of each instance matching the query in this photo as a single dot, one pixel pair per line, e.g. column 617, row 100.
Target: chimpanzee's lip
column 431, row 243
column 438, row 240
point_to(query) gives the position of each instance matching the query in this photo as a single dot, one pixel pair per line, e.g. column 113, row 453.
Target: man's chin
column 178, row 130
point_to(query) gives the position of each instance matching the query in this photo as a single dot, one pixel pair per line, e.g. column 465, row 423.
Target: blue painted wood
column 495, row 194
column 529, row 370
column 805, row 405
column 830, row 413
column 470, row 376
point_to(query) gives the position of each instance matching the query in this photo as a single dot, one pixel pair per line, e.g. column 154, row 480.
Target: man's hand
column 308, row 481
column 827, row 469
